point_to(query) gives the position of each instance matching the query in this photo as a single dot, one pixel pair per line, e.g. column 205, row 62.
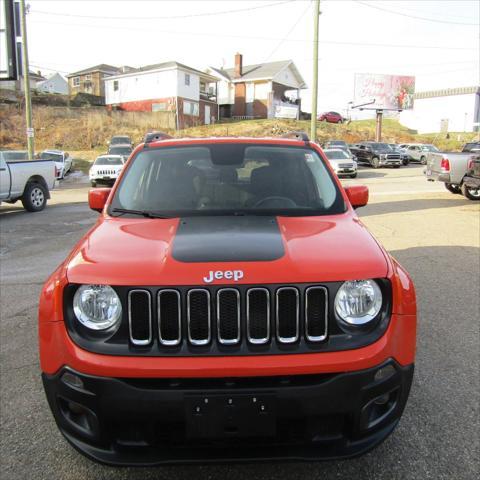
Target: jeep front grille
column 229, row 316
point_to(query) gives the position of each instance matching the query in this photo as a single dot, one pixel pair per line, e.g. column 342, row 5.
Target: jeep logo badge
column 234, row 275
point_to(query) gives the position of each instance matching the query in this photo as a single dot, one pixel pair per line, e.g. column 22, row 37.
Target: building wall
column 428, row 113
column 186, row 120
column 54, row 84
column 192, row 90
column 140, row 87
column 239, row 108
column 92, row 83
column 226, row 92
column 287, row 78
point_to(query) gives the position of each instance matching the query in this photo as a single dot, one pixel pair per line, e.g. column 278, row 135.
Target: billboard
column 8, row 33
column 390, row 92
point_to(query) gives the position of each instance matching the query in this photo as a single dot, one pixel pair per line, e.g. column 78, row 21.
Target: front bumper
column 386, row 162
column 147, row 421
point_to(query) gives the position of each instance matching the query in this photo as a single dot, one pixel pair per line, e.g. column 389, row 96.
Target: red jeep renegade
column 228, row 304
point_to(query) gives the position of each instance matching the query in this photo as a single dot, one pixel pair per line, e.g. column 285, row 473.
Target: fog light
column 72, row 380
column 383, row 373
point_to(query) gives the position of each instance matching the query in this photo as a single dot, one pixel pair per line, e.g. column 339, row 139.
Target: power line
column 172, row 17
column 244, row 37
column 415, row 16
column 289, row 32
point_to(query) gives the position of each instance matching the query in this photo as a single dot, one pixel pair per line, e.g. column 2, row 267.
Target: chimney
column 238, row 65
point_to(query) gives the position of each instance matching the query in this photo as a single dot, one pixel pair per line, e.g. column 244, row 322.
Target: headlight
column 358, row 302
column 97, row 306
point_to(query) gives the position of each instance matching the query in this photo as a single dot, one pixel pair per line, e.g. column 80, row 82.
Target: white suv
column 106, row 169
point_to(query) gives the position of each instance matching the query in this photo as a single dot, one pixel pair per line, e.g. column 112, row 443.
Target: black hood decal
column 228, row 239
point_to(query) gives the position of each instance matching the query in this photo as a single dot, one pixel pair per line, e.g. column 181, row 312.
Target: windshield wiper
column 143, row 213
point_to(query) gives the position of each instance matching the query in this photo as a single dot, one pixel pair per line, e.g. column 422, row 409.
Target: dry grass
column 82, row 130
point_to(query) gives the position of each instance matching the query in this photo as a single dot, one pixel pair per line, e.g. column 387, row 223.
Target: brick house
column 91, row 80
column 265, row 90
column 166, row 87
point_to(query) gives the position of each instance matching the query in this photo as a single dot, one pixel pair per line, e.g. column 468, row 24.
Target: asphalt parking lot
column 433, row 233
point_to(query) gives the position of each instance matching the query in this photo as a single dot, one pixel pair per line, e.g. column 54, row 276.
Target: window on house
column 190, row 108
column 159, row 107
column 115, row 85
column 76, row 81
column 88, row 77
column 187, row 79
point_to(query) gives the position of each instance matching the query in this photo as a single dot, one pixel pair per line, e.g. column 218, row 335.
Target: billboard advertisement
column 390, row 92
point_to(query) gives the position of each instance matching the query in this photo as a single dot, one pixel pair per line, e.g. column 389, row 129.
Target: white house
column 53, row 84
column 265, row 90
column 169, row 86
column 448, row 110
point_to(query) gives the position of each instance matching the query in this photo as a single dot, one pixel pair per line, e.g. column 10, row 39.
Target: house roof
column 165, row 66
column 263, row 71
column 102, row 67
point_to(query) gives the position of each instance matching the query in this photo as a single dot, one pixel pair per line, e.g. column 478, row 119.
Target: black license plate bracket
column 230, row 416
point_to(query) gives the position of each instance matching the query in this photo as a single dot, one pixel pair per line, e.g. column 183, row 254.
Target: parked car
column 404, row 157
column 339, row 144
column 471, row 147
column 331, row 117
column 376, row 154
column 62, row 160
column 29, row 181
column 471, row 182
column 120, row 140
column 341, row 161
column 448, row 167
column 418, row 152
column 123, row 150
column 106, row 169
column 252, row 316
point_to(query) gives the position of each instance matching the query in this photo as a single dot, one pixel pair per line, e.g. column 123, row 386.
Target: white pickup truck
column 27, row 180
column 451, row 168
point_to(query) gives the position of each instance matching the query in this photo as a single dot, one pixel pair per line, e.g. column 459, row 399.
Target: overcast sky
column 437, row 41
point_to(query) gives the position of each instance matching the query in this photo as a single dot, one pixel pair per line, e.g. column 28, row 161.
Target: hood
column 115, row 168
column 208, row 250
column 337, row 161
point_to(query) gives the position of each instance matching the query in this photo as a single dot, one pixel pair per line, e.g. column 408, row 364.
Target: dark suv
column 377, row 154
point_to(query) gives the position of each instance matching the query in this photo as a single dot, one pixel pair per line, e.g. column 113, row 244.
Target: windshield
column 336, row 154
column 120, row 151
column 56, row 157
column 429, row 148
column 120, row 140
column 108, row 161
column 381, row 146
column 229, row 179
column 15, row 155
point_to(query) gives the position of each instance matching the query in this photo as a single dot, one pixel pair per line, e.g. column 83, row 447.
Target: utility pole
column 313, row 121
column 26, row 82
column 378, row 126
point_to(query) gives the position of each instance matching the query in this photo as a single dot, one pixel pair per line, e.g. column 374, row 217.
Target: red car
column 227, row 304
column 331, row 117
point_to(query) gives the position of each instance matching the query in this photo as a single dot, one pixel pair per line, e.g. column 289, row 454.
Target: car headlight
column 97, row 306
column 358, row 302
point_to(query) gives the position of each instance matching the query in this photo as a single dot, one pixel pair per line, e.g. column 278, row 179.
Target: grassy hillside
column 85, row 131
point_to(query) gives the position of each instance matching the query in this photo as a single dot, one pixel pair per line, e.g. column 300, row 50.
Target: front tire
column 354, row 175
column 423, row 160
column 453, row 188
column 470, row 193
column 34, row 197
column 94, row 184
column 375, row 162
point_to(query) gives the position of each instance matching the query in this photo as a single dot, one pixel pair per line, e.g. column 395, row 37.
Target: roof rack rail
column 300, row 135
column 155, row 137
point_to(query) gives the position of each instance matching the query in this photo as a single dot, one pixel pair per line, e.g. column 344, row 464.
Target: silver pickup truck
column 27, row 180
column 451, row 168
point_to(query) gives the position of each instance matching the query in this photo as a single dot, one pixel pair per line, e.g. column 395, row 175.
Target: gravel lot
column 433, row 233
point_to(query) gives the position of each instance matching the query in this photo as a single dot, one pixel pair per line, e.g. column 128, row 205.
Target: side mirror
column 97, row 198
column 357, row 195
